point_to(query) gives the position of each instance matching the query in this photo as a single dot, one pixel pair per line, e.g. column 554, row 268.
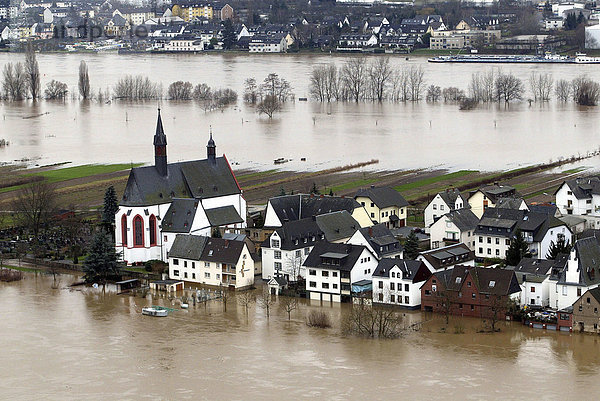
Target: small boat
column 155, row 311
column 184, row 306
column 281, row 160
column 303, row 99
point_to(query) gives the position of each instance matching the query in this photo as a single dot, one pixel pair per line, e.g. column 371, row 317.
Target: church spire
column 160, row 147
column 211, row 149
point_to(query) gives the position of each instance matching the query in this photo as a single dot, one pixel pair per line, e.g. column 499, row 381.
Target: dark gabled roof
column 495, row 281
column 590, row 232
column 180, row 216
column 559, row 266
column 188, row 247
column 383, row 196
column 337, row 225
column 509, row 203
column 495, row 192
column 409, row 268
column 583, row 188
column 222, row 250
column 594, row 292
column 449, row 277
column 449, row 255
column 223, row 216
column 449, row 196
column 588, row 257
column 295, row 207
column 381, row 240
column 534, row 266
column 346, row 254
column 198, row 179
column 281, row 281
column 297, row 234
column 464, row 219
column 544, row 208
column 506, row 222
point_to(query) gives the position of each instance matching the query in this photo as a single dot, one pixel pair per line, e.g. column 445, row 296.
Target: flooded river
column 401, row 136
column 65, row 344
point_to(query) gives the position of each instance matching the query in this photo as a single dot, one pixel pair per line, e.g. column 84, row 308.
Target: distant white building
column 592, row 37
column 442, row 203
column 580, row 197
column 275, row 43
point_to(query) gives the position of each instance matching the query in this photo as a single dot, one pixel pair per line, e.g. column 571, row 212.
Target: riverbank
column 81, row 188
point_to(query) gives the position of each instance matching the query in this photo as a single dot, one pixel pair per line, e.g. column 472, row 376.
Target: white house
column 487, row 196
column 447, row 257
column 354, row 41
column 211, row 261
column 399, row 281
column 332, row 269
column 165, row 199
column 580, row 197
column 275, row 43
column 582, row 273
column 553, row 23
column 284, row 252
column 454, row 227
column 184, row 43
column 498, row 227
column 443, row 203
column 534, row 278
column 379, row 240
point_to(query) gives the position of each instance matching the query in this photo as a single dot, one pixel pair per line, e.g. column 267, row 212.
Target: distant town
column 369, row 26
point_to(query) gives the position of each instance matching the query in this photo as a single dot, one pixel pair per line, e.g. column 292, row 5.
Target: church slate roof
column 222, row 216
column 180, row 216
column 200, row 179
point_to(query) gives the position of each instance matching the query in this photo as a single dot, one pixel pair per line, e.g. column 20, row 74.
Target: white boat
column 155, row 311
column 184, row 306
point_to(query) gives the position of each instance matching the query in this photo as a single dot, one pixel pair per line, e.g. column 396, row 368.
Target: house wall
column 359, row 239
column 539, row 295
column 552, row 235
column 586, row 314
column 576, row 206
column 288, row 259
column 477, row 203
column 271, row 219
column 380, row 215
column 436, row 208
column 383, row 294
column 491, row 246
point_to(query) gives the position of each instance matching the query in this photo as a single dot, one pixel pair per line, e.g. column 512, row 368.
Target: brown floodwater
column 64, row 343
column 402, row 136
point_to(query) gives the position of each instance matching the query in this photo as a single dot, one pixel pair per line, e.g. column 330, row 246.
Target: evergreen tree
column 282, row 192
column 561, row 246
column 517, row 250
column 111, row 205
column 315, row 190
column 411, row 246
column 229, row 37
column 216, row 233
column 101, row 262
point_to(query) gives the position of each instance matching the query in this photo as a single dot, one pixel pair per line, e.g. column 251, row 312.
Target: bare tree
column 354, row 74
column 416, row 82
column 332, row 83
column 373, row 321
column 541, row 86
column 225, row 296
column 288, row 305
column 379, row 73
column 56, row 90
column 434, row 93
column 250, row 91
column 585, row 91
column 452, row 94
column 269, row 106
column 84, row 81
column 276, row 87
column 32, row 71
column 14, row 82
column 400, row 85
column 318, row 83
column 245, row 299
column 180, row 90
column 266, row 301
column 224, row 97
column 35, row 206
column 508, row 87
column 137, row 88
column 563, row 90
column 318, row 318
column 481, row 86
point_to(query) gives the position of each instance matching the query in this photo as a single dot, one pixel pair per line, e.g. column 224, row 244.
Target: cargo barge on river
column 579, row 58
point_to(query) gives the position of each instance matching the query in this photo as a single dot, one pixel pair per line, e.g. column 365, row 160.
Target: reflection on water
column 490, row 137
column 75, row 343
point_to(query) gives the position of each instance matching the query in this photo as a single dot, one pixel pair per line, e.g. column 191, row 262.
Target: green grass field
column 353, row 184
column 70, row 173
column 433, row 180
column 22, row 269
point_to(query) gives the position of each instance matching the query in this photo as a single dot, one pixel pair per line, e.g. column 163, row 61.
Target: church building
column 166, row 199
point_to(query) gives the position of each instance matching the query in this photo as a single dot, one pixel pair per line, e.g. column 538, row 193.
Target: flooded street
column 76, row 344
column 402, row 136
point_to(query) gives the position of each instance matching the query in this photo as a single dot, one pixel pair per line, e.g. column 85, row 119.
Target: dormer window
column 492, row 284
column 210, row 252
column 458, row 280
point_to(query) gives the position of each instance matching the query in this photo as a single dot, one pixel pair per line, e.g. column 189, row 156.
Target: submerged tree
column 32, row 72
column 84, row 81
column 14, row 81
column 35, row 205
column 56, row 90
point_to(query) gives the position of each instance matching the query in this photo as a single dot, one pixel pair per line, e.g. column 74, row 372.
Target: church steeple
column 160, row 147
column 211, row 149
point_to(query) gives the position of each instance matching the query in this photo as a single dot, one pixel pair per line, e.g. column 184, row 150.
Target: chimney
column 321, row 196
column 370, row 231
column 372, row 186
